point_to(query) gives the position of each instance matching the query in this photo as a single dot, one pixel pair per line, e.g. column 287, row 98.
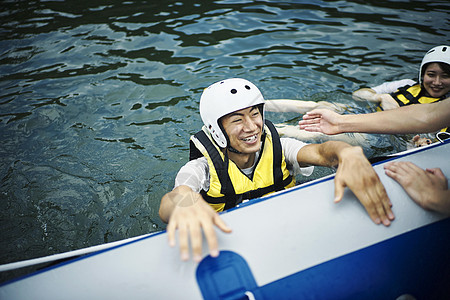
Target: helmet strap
column 231, row 149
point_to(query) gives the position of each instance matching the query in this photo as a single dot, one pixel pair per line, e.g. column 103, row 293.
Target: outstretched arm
column 186, row 211
column 355, row 172
column 298, row 106
column 420, row 118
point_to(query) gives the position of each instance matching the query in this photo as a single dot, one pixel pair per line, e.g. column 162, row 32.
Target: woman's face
column 435, row 81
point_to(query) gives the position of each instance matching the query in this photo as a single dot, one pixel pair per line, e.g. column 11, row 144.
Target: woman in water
column 433, row 86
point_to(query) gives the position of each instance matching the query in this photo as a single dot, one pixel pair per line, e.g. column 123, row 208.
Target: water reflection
column 98, row 99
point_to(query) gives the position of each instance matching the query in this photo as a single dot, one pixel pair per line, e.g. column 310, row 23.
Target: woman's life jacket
column 415, row 94
column 228, row 185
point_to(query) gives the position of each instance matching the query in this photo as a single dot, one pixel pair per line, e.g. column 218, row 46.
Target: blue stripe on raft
column 415, row 263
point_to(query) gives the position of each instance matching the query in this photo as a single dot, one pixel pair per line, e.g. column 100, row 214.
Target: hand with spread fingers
column 353, row 171
column 321, row 120
column 364, row 183
column 419, row 118
column 428, row 188
column 191, row 215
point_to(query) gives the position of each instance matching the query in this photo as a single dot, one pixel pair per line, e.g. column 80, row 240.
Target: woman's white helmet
column 224, row 97
column 436, row 54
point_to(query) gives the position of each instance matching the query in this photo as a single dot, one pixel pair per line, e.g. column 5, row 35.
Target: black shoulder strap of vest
column 277, row 156
column 221, row 167
column 194, row 153
column 404, row 91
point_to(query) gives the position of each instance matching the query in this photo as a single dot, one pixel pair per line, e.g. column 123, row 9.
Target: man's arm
column 187, row 212
column 419, row 118
column 386, row 101
column 298, row 106
column 355, row 172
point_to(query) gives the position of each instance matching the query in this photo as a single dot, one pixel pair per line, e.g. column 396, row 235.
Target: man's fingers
column 339, row 187
column 383, row 210
column 191, row 223
column 377, row 203
column 171, row 228
column 384, row 205
column 438, row 172
column 211, row 236
column 196, row 241
column 388, row 210
column 184, row 242
column 221, row 224
column 373, row 209
column 211, row 239
column 370, row 192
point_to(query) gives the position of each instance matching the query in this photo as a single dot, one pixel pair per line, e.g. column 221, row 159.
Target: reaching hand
column 428, row 188
column 321, row 120
column 190, row 215
column 355, row 172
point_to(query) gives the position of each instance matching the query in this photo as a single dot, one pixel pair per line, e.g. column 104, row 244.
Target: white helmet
column 437, row 54
column 224, row 97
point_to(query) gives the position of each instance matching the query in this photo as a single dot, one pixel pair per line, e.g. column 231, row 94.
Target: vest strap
column 277, row 157
column 411, row 99
column 221, row 164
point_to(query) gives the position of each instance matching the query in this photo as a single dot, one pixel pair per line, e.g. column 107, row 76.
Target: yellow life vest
column 228, row 185
column 413, row 95
column 408, row 95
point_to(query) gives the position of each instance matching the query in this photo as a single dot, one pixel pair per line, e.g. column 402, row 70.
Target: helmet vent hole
column 233, row 91
column 247, row 87
column 444, row 49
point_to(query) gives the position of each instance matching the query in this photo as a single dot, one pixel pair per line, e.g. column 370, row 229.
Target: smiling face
column 436, row 81
column 244, row 129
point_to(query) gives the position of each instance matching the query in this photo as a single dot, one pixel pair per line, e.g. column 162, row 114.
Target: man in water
column 238, row 155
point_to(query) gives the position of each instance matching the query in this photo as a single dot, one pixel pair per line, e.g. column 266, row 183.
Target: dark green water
column 98, row 98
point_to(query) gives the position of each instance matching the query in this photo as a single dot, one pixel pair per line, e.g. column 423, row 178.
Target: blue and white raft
column 295, row 244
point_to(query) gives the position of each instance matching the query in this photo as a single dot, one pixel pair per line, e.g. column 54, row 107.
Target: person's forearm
column 298, row 106
column 421, row 118
column 181, row 195
column 327, row 154
column 381, row 122
column 166, row 207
